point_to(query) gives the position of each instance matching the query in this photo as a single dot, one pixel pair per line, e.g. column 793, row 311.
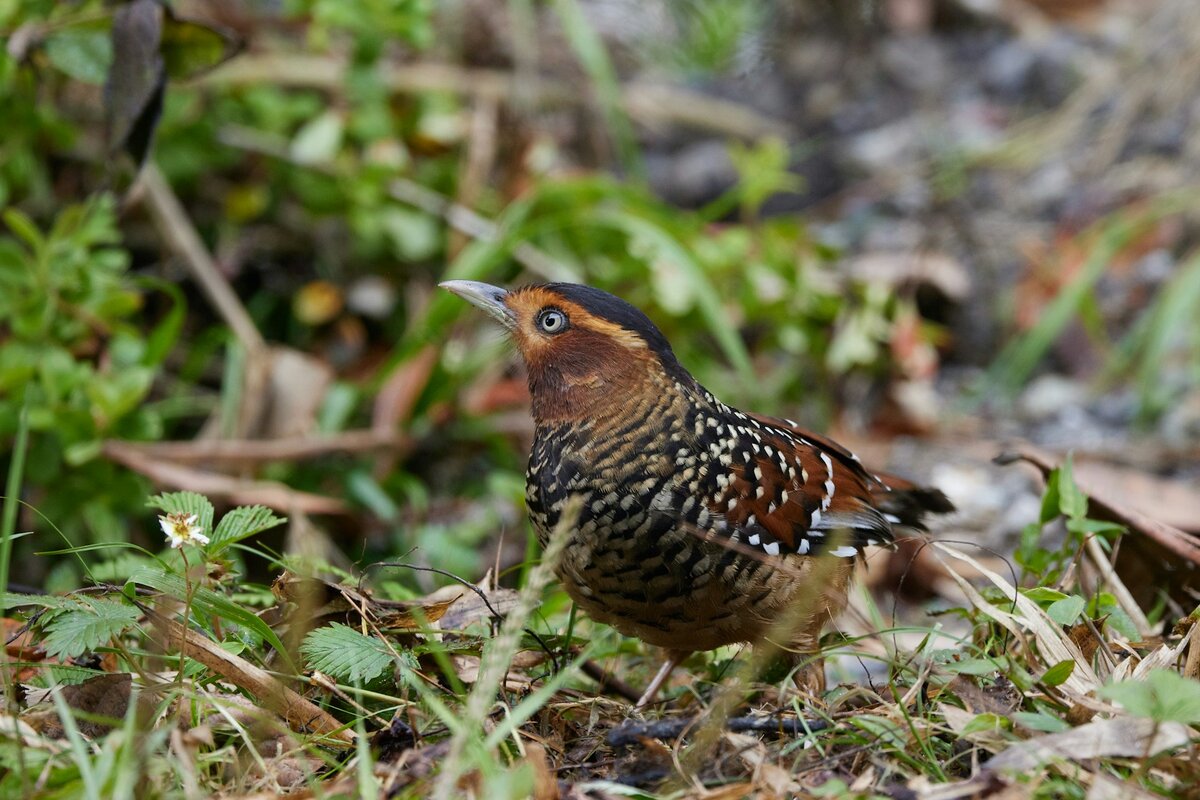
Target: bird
column 699, row 525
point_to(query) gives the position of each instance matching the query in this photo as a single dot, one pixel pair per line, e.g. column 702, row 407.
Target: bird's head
column 584, row 349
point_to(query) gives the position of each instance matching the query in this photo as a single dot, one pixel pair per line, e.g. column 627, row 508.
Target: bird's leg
column 664, row 672
column 810, row 678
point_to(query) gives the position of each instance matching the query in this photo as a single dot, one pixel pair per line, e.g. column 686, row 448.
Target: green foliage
column 73, row 338
column 368, row 24
column 92, row 623
column 1062, row 502
column 207, row 603
column 712, row 32
column 1163, row 695
column 346, row 654
column 241, row 523
column 1164, row 334
column 187, row 504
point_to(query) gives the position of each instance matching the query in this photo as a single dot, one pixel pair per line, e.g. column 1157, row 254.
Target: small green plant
column 75, row 345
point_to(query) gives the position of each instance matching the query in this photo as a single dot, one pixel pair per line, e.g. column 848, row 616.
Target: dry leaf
column 1122, row 737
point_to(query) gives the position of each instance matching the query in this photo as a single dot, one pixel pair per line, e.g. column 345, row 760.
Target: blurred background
column 931, row 227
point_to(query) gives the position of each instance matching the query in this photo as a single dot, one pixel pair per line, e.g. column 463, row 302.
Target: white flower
column 181, row 529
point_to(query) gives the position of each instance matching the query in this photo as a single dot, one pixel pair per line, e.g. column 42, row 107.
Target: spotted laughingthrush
column 700, row 525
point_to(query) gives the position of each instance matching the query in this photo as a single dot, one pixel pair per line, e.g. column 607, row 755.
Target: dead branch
column 246, row 492
column 181, row 237
column 655, row 105
column 252, row 451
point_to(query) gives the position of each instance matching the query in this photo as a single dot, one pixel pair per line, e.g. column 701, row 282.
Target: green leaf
column 186, row 503
column 85, row 53
column 363, row 487
column 972, row 666
column 319, row 139
column 1086, row 526
column 1040, row 721
column 1072, row 502
column 163, row 336
column 92, row 623
column 1044, row 595
column 24, row 228
column 414, row 236
column 241, row 523
column 986, row 723
column 1050, row 502
column 15, row 600
column 346, row 654
column 207, row 602
column 885, row 730
column 1163, row 695
column 190, row 48
column 1058, row 674
column 1067, row 610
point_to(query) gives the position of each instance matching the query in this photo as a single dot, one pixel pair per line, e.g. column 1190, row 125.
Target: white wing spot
column 828, row 464
column 845, row 551
column 771, row 548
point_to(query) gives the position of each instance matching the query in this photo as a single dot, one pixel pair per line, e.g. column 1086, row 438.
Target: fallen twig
column 181, row 236
column 301, row 715
column 631, row 731
column 650, row 104
column 242, row 451
column 248, row 492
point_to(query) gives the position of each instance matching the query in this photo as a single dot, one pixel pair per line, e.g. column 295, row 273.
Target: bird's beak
column 489, row 298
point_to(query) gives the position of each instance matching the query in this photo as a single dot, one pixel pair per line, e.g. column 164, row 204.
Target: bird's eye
column 551, row 320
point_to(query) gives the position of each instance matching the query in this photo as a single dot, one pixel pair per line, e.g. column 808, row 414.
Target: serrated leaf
column 346, row 654
column 1058, row 674
column 94, row 622
column 241, row 523
column 208, row 602
column 1067, row 610
column 186, row 503
column 14, row 600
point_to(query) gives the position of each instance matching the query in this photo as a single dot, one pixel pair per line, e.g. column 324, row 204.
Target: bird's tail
column 908, row 504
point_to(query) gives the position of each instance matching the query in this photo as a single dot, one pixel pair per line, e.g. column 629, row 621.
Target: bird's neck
column 601, row 397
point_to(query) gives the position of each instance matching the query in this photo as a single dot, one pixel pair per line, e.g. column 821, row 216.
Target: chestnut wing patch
column 781, row 493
